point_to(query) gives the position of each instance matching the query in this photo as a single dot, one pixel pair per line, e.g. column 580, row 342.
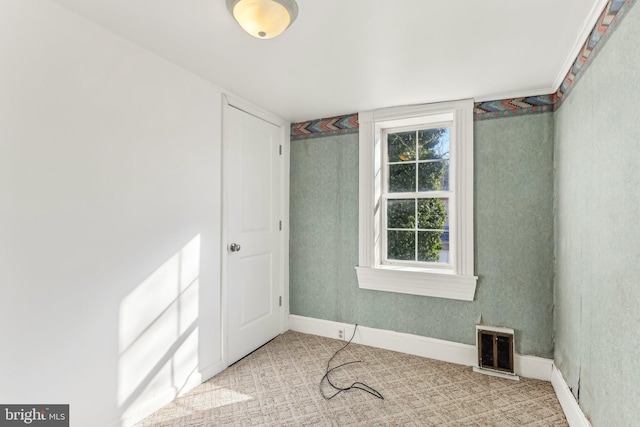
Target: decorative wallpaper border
column 325, row 127
column 608, row 21
column 606, row 24
column 514, row 107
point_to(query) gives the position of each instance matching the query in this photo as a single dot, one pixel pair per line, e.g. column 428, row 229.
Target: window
column 416, row 200
column 415, row 196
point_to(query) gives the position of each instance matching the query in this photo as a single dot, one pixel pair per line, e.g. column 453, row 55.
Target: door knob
column 234, row 247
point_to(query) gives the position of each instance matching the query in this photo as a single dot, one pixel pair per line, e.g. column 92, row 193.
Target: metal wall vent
column 495, row 351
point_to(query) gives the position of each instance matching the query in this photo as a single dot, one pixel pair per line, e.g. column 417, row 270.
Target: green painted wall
column 514, row 240
column 592, row 142
column 597, row 160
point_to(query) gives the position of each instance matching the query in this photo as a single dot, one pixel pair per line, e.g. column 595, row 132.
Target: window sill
column 417, row 282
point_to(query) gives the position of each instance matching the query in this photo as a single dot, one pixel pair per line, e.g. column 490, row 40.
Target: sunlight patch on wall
column 158, row 332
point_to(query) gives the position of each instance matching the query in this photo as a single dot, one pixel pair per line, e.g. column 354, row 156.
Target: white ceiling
column 344, row 56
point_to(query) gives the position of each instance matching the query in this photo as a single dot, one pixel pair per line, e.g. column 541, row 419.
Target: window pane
column 401, row 245
column 433, row 214
column 433, row 176
column 401, row 214
column 402, row 178
column 402, row 146
column 433, row 143
column 431, row 247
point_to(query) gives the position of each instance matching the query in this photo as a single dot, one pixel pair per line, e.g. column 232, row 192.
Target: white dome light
column 263, row 19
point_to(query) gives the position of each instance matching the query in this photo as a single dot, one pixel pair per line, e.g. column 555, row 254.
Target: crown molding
column 587, row 29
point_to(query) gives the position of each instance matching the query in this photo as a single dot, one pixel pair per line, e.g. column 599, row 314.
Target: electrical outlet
column 341, row 334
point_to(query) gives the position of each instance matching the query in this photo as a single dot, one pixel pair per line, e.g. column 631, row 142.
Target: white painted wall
column 109, row 219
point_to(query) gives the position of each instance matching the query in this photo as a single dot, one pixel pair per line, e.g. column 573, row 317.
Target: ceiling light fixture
column 263, row 19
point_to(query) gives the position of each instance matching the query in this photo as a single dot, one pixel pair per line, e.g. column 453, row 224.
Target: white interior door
column 253, row 277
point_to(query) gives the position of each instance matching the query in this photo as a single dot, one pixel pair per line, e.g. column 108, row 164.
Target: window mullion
column 415, row 205
column 415, row 231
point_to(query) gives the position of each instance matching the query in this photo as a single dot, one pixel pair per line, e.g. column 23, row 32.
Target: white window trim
column 459, row 283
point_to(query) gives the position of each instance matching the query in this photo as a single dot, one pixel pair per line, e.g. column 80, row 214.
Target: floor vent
column 495, row 351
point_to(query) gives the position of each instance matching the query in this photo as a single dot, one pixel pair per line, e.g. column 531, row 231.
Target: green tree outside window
column 418, row 161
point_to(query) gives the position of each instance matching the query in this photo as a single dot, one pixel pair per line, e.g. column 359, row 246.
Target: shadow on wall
column 158, row 336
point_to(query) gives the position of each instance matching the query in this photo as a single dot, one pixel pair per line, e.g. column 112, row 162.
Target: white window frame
column 458, row 280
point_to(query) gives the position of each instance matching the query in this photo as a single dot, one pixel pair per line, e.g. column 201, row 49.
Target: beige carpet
column 278, row 385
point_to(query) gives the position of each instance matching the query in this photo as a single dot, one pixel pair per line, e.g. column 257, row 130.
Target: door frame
column 232, row 101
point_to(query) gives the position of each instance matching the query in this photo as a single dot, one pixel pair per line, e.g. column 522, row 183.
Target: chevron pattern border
column 514, row 107
column 605, row 26
column 325, row 127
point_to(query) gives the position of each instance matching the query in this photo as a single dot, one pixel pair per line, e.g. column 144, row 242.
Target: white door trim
column 241, row 104
column 229, row 100
column 285, row 165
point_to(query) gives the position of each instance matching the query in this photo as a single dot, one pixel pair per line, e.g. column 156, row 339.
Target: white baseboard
column 212, row 370
column 573, row 413
column 534, row 367
column 447, row 351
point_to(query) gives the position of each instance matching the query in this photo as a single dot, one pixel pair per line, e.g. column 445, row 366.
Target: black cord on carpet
column 355, row 386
